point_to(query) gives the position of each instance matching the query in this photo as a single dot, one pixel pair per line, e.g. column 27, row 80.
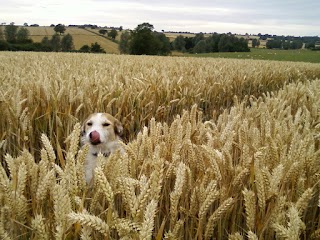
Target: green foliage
column 163, row 43
column 60, row 28
column 113, row 34
column 96, row 48
column 67, row 43
column 201, row 47
column 124, row 42
column 4, row 46
column 23, row 35
column 146, row 42
column 284, row 44
column 10, row 32
column 103, row 31
column 55, row 43
column 179, row 43
column 1, row 35
column 213, row 43
column 255, row 43
column 85, row 49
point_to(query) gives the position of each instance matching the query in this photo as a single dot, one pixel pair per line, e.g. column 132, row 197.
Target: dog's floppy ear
column 118, row 128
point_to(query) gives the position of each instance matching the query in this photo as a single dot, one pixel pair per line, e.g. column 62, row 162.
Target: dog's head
column 101, row 128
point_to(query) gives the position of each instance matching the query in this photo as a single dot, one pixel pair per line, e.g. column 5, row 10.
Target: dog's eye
column 105, row 124
column 89, row 123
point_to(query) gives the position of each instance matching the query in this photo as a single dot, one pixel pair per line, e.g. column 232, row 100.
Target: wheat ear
column 91, row 221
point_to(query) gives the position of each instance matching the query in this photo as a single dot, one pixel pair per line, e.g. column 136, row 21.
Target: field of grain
column 80, row 37
column 215, row 148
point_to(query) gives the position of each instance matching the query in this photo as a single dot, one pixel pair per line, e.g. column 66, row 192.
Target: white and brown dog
column 102, row 132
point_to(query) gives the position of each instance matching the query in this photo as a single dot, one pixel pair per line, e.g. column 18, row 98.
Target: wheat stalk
column 91, row 221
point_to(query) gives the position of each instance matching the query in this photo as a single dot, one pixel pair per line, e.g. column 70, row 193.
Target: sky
column 279, row 17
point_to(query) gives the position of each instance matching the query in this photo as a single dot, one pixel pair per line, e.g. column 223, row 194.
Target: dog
column 102, row 132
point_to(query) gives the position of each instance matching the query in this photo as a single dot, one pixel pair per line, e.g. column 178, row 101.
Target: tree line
column 143, row 40
column 213, row 43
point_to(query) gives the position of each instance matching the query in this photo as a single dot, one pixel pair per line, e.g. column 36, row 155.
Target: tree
column 85, row 49
column 1, row 35
column 67, row 43
column 60, row 28
column 145, row 41
column 189, row 43
column 201, row 47
column 120, row 28
column 4, row 46
column 55, row 43
column 197, row 38
column 10, row 32
column 258, row 43
column 163, row 43
column 254, row 42
column 103, row 31
column 179, row 43
column 23, row 35
column 113, row 34
column 96, row 48
column 296, row 44
column 124, row 44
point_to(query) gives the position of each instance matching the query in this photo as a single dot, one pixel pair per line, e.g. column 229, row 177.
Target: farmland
column 302, row 55
column 80, row 37
column 214, row 148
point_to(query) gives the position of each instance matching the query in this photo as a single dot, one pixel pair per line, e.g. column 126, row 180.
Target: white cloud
column 274, row 17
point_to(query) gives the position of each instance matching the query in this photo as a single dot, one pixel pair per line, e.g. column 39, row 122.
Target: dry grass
column 241, row 161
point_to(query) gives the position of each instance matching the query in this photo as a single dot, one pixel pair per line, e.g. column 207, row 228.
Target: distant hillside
column 80, row 37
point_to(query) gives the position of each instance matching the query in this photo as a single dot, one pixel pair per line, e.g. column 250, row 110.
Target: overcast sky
column 281, row 17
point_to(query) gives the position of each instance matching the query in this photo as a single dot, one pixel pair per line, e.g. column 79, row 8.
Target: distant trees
column 284, row 44
column 214, row 43
column 124, row 44
column 67, row 43
column 103, row 31
column 179, row 43
column 10, row 32
column 144, row 41
column 113, row 34
column 60, row 28
column 255, row 43
column 1, row 35
column 23, row 36
column 95, row 48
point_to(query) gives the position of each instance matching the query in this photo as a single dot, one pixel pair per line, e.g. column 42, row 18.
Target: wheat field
column 214, row 148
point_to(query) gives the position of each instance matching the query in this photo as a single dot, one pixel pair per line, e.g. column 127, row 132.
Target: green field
column 268, row 54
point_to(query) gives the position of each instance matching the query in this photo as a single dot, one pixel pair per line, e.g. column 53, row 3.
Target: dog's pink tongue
column 95, row 137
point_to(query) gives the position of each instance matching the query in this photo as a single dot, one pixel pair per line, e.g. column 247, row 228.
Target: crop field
column 80, row 37
column 302, row 55
column 214, row 148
